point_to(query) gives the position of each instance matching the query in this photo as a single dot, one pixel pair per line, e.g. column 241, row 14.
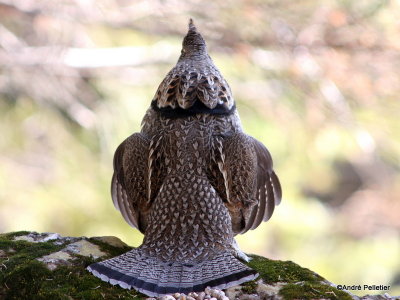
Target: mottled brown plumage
column 190, row 181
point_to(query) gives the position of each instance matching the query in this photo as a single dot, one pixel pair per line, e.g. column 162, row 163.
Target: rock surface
column 49, row 266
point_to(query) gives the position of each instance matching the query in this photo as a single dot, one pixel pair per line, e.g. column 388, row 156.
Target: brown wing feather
column 277, row 188
column 121, row 202
column 269, row 192
column 129, row 181
column 265, row 195
column 252, row 187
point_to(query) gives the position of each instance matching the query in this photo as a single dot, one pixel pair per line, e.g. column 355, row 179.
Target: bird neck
column 195, row 56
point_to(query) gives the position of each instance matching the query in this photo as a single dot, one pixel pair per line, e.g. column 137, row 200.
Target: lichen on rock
column 49, row 266
column 53, row 260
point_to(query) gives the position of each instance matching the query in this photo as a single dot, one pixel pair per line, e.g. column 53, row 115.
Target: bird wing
column 135, row 179
column 247, row 182
column 268, row 188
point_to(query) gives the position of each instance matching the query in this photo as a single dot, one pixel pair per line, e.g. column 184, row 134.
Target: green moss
column 272, row 271
column 312, row 291
column 78, row 283
column 23, row 277
column 249, row 287
column 302, row 283
column 11, row 235
column 109, row 249
column 19, row 253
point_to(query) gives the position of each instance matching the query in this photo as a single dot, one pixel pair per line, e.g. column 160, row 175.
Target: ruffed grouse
column 190, row 181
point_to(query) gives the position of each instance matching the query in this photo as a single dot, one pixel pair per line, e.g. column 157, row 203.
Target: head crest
column 194, row 85
column 192, row 27
column 193, row 43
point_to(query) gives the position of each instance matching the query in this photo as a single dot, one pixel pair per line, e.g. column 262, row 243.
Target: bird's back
column 189, row 219
column 190, row 181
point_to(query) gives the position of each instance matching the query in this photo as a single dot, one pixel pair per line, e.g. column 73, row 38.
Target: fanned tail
column 156, row 278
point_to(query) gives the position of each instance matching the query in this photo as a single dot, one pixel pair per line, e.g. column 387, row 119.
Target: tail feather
column 188, row 276
column 155, row 278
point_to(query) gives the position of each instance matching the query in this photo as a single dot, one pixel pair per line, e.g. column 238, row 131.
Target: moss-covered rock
column 48, row 266
column 295, row 281
column 34, row 266
column 309, row 290
column 281, row 271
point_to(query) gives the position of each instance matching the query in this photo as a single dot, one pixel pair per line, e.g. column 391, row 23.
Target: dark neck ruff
column 197, row 108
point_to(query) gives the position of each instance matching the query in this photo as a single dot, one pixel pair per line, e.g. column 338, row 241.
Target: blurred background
column 318, row 82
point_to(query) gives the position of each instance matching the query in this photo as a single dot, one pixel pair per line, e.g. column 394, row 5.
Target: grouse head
column 193, row 44
column 194, row 85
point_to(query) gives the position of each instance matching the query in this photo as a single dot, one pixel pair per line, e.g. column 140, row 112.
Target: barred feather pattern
column 190, row 81
column 190, row 182
column 154, row 277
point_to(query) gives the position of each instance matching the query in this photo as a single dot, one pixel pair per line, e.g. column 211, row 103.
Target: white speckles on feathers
column 190, row 183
